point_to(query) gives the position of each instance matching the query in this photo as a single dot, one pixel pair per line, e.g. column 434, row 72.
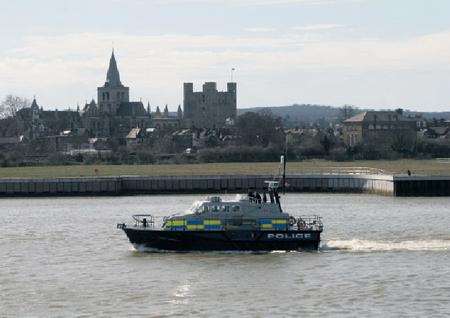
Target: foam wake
column 375, row 246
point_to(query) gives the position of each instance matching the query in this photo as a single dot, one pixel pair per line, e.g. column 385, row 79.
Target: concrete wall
column 193, row 184
column 421, row 186
column 60, row 187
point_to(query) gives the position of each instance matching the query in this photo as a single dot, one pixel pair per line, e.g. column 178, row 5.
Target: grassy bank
column 426, row 167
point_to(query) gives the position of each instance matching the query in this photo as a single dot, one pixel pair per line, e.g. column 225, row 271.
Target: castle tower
column 209, row 108
column 112, row 93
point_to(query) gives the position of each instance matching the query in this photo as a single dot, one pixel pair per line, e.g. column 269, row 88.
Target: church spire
column 113, row 76
column 179, row 112
column 34, row 104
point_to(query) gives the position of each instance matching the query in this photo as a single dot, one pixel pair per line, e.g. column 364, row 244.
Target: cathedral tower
column 113, row 93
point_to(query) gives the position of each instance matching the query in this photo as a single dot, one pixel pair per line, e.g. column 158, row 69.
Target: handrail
column 297, row 222
column 144, row 220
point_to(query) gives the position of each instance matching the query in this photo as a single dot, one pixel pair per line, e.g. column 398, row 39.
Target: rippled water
column 381, row 256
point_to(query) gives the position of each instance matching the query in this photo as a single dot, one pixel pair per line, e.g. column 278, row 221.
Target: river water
column 381, row 256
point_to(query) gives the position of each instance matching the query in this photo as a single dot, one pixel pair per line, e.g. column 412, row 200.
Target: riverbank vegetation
column 422, row 167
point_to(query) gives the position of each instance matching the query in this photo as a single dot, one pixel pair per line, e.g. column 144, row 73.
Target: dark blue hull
column 239, row 240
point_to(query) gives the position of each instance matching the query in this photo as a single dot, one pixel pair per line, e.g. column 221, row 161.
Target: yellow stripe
column 266, row 226
column 194, row 227
column 279, row 221
column 212, row 222
column 178, row 222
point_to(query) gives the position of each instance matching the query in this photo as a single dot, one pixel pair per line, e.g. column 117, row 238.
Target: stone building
column 114, row 114
column 209, row 108
column 166, row 119
column 35, row 122
column 380, row 129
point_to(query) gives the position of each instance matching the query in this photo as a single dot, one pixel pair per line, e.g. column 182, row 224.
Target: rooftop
column 372, row 116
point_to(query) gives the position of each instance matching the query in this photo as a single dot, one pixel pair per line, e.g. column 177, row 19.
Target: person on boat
column 258, row 198
column 251, row 196
column 144, row 222
column 264, row 197
column 301, row 224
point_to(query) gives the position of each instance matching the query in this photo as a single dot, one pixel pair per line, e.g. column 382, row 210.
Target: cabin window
column 215, row 208
column 236, row 208
column 224, row 208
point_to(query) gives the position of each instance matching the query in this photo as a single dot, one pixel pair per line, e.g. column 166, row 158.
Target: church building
column 114, row 114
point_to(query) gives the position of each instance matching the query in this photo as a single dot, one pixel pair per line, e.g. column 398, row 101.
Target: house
column 10, row 141
column 135, row 137
column 381, row 129
column 438, row 132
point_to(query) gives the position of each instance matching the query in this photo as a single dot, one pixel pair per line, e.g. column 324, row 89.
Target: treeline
column 257, row 137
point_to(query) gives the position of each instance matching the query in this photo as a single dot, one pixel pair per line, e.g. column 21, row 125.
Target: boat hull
column 236, row 240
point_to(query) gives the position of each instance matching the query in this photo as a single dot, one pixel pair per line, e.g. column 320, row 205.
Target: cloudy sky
column 375, row 53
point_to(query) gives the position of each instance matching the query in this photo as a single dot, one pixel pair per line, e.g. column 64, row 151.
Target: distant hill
column 300, row 114
column 297, row 115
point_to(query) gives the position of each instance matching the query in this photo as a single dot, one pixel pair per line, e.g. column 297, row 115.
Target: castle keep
column 209, row 108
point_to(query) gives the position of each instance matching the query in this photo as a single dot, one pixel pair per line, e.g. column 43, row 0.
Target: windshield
column 196, row 207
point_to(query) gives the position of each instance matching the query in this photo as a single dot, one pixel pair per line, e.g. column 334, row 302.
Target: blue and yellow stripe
column 273, row 224
column 194, row 225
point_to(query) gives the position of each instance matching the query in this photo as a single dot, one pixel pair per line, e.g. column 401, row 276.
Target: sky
column 368, row 53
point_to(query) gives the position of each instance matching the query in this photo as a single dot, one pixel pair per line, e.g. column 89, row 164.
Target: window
column 371, row 127
column 236, row 208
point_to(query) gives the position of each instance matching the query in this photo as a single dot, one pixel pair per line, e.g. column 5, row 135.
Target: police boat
column 251, row 222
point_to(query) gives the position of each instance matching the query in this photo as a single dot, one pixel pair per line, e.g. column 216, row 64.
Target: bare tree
column 346, row 112
column 11, row 105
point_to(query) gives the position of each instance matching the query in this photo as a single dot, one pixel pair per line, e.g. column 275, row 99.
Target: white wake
column 375, row 246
